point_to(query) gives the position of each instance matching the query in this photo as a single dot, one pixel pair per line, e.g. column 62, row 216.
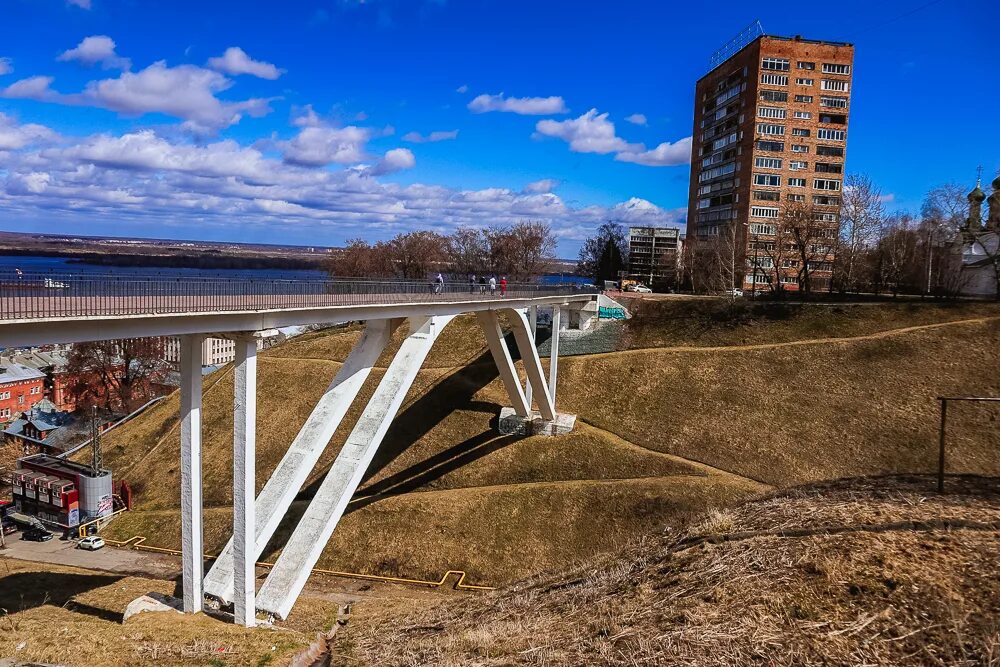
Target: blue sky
column 310, row 121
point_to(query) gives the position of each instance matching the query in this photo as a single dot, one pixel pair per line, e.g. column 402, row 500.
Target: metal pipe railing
column 26, row 295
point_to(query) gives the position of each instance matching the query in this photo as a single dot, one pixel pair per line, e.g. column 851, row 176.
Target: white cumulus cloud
column 96, row 49
column 395, row 160
column 440, row 135
column 527, row 106
column 32, row 88
column 14, row 136
column 186, row 92
column 665, row 155
column 320, row 145
column 590, row 133
column 83, row 4
column 637, row 119
column 6, row 66
column 235, row 61
column 542, row 186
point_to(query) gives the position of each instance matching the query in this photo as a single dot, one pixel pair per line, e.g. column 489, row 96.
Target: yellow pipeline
column 136, row 542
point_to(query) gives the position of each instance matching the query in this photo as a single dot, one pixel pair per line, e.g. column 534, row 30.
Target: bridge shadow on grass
column 22, row 591
column 454, row 392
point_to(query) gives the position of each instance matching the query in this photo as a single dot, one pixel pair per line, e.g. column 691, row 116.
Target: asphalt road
column 109, row 559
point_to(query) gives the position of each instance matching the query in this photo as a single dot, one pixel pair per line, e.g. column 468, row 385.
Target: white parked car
column 642, row 289
column 734, row 292
column 92, row 543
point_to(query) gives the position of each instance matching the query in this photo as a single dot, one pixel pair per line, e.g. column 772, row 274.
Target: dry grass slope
column 446, row 491
column 70, row 616
column 857, row 584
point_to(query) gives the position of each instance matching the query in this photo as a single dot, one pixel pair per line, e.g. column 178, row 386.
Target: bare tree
column 532, row 247
column 605, row 253
column 896, row 251
column 116, row 374
column 415, row 254
column 360, row 260
column 468, row 251
column 810, row 237
column 715, row 258
column 861, row 216
column 779, row 252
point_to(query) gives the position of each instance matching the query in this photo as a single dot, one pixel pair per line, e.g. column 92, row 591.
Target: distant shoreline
column 199, row 260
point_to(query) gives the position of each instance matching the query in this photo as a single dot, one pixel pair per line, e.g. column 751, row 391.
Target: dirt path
column 888, row 333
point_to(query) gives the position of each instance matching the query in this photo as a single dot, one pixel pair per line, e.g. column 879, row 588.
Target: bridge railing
column 35, row 295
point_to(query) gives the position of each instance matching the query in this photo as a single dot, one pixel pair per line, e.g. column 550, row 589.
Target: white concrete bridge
column 45, row 308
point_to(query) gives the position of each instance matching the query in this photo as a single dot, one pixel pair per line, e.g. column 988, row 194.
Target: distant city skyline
column 365, row 118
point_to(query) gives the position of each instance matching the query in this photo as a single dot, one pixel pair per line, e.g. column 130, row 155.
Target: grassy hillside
column 663, row 434
column 874, row 572
column 69, row 616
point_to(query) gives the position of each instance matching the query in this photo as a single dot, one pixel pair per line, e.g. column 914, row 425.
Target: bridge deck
column 119, row 306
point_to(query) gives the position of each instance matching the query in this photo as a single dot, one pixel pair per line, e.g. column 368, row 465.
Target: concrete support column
column 244, row 480
column 192, row 545
column 532, row 364
column 554, row 352
column 490, row 324
column 533, row 328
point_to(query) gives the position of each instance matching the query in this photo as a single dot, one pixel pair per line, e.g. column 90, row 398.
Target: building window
column 804, row 82
column 759, row 228
column 833, row 84
column 777, row 64
column 768, row 128
column 798, row 164
column 826, row 200
column 20, row 399
column 826, row 184
column 766, row 195
column 797, row 182
column 834, row 68
column 773, row 96
column 825, row 217
column 715, row 172
column 800, row 148
column 36, row 390
column 829, row 167
column 763, row 212
column 771, row 112
column 771, row 145
column 834, row 135
column 795, row 198
column 804, row 98
column 803, row 115
column 774, row 79
column 831, row 151
column 833, row 102
column 800, row 132
column 790, row 280
column 804, row 64
column 767, row 162
column 5, row 395
column 767, row 179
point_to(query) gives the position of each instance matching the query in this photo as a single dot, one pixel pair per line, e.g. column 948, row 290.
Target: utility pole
column 96, row 462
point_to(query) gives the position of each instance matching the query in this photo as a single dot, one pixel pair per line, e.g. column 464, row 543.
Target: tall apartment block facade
column 770, row 138
column 653, row 255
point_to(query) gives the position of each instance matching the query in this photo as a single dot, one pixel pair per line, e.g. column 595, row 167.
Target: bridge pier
column 306, row 545
column 292, row 471
column 554, row 351
column 244, row 480
column 192, row 537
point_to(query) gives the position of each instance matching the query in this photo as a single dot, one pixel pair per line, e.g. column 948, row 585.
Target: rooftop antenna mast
column 747, row 35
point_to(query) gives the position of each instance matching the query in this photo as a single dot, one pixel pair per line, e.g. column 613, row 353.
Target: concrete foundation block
column 513, row 424
column 152, row 602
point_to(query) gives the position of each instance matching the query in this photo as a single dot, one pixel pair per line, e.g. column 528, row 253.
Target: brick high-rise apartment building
column 770, row 135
